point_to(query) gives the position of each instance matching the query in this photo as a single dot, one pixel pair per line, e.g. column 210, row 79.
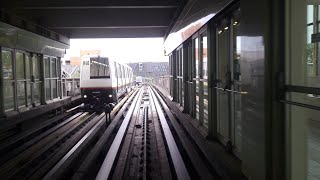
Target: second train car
column 103, row 81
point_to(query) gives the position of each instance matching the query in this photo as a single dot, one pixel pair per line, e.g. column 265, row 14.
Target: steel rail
column 202, row 170
column 108, row 162
column 90, row 161
column 145, row 119
column 178, row 163
column 60, row 170
column 56, row 171
column 40, row 148
column 24, row 145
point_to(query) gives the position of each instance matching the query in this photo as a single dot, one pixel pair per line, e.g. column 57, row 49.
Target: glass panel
column 28, row 93
column 37, row 92
column 107, row 70
column 93, row 69
column 27, row 61
column 7, row 64
column 309, row 14
column 196, row 52
column 47, row 66
column 222, row 69
column 318, row 14
column 28, row 76
column 36, row 66
column 48, row 89
column 311, row 119
column 304, row 61
column 20, row 66
column 178, row 79
column 204, row 45
column 21, row 92
column 54, row 88
column 303, row 69
column 115, row 70
column 54, row 67
column 59, row 89
column 197, row 100
column 99, row 69
column 59, row 68
column 181, row 74
column 313, row 143
column 122, row 70
column 237, row 84
column 8, row 98
column 63, row 89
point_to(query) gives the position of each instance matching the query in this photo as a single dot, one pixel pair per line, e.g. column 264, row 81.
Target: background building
column 71, row 66
column 150, row 69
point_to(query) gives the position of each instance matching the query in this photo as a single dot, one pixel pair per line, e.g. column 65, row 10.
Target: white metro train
column 103, row 81
column 142, row 80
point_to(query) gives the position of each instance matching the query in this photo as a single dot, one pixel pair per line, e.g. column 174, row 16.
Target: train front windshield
column 99, row 68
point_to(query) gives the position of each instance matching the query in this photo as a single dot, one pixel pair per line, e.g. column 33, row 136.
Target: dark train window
column 99, row 68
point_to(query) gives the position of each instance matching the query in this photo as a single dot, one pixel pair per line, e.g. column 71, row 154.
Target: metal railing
column 70, row 87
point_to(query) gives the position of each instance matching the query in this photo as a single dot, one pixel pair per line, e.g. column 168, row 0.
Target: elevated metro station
column 241, row 99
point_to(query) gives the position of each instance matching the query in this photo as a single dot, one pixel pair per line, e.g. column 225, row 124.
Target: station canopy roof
column 100, row 18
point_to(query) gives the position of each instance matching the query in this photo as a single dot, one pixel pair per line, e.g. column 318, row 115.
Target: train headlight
column 85, row 96
column 110, row 95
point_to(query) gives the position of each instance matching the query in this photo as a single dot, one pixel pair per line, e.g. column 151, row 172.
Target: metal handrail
column 229, row 90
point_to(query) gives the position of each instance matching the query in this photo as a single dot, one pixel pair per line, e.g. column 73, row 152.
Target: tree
column 309, row 52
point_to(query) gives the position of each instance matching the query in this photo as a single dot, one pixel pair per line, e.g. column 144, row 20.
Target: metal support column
column 185, row 78
column 1, row 86
column 43, row 84
column 174, row 76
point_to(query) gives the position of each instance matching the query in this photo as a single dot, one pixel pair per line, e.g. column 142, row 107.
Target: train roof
column 92, row 56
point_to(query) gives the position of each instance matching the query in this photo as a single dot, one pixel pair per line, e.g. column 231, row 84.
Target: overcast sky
column 122, row 49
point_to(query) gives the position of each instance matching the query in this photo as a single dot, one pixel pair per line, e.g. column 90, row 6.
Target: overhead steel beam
column 110, row 27
column 97, row 7
column 57, row 18
column 113, row 33
column 86, row 3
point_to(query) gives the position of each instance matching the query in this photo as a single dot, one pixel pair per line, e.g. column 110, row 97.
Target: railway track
column 141, row 141
column 144, row 147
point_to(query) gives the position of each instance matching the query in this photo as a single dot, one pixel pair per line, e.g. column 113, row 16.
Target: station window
column 47, row 84
column 36, row 75
column 52, row 77
column 21, row 79
column 7, row 66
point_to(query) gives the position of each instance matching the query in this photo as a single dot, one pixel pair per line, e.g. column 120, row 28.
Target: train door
column 228, row 82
